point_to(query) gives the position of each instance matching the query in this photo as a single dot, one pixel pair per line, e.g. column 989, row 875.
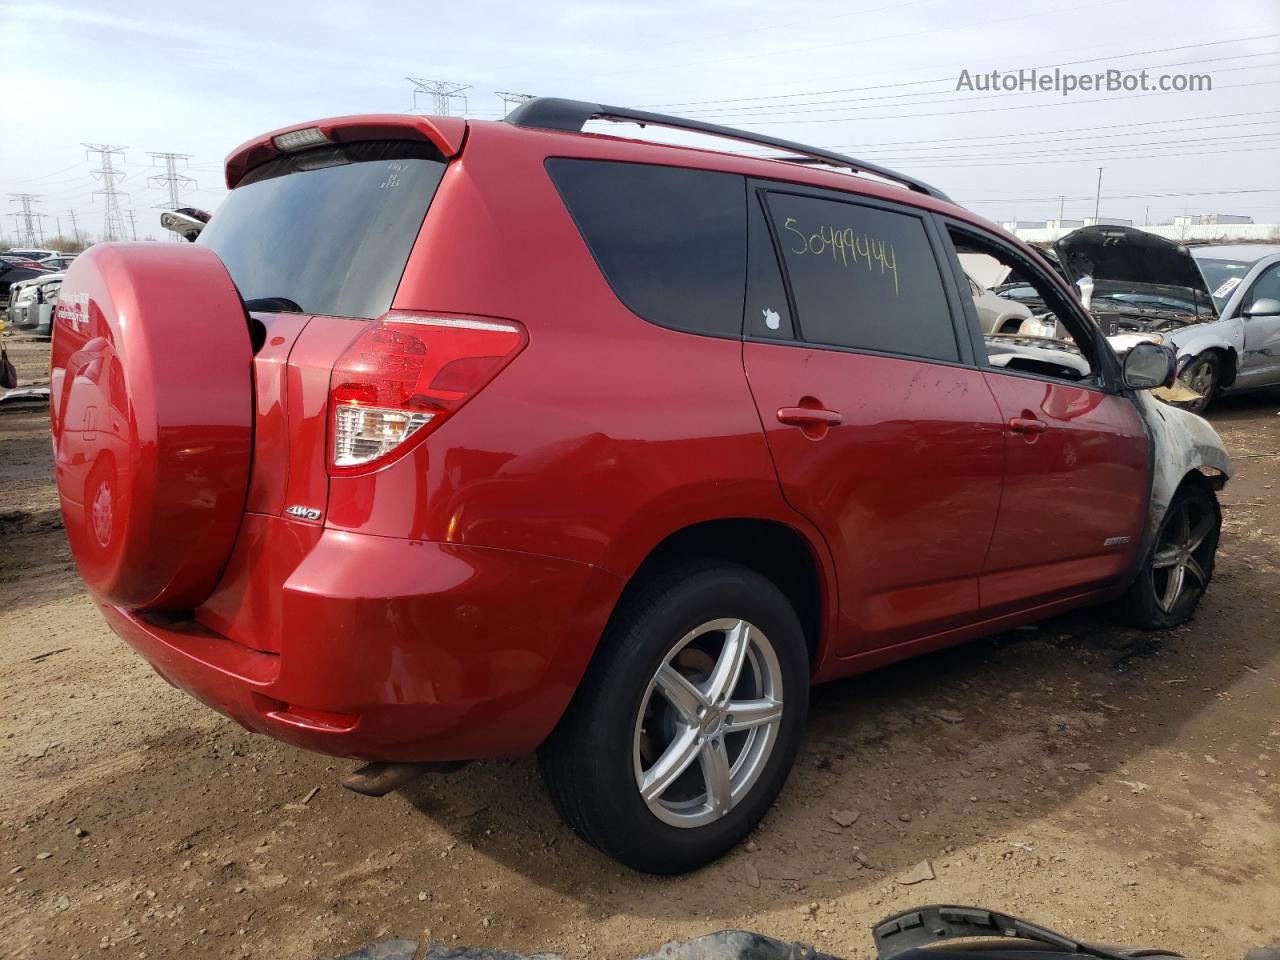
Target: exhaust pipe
column 379, row 779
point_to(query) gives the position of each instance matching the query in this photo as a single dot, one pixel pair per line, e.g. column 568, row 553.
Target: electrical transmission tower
column 171, row 178
column 75, row 227
column 511, row 100
column 30, row 231
column 133, row 225
column 441, row 93
column 113, row 219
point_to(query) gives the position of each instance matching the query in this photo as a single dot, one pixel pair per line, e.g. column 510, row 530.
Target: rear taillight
column 405, row 375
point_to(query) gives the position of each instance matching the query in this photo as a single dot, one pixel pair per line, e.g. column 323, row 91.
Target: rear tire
column 1178, row 568
column 662, row 690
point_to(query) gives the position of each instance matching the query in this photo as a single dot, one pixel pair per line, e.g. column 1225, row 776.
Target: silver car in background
column 31, row 304
column 1240, row 351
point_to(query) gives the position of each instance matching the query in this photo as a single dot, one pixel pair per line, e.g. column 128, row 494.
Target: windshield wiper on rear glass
column 273, row 305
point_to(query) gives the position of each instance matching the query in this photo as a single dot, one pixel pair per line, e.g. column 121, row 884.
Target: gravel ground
column 1117, row 785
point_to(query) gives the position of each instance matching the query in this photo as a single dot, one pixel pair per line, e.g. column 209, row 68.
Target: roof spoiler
column 446, row 133
column 554, row 113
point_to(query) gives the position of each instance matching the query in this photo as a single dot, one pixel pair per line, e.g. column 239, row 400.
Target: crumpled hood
column 1124, row 260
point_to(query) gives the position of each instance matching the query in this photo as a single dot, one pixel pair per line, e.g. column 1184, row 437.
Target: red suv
column 453, row 439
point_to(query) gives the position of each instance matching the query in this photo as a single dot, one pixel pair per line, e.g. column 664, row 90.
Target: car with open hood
column 1217, row 306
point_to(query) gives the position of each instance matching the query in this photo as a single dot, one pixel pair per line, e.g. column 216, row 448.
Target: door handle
column 809, row 417
column 1026, row 425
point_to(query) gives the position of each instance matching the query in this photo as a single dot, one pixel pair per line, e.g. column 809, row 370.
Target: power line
column 1063, row 102
column 1002, row 20
column 442, row 93
column 54, row 173
column 825, row 106
column 1130, row 196
column 1085, row 149
column 886, row 86
column 109, row 176
column 1150, row 156
column 1028, row 137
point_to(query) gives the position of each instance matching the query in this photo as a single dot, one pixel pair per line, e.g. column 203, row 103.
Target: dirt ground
column 1114, row 784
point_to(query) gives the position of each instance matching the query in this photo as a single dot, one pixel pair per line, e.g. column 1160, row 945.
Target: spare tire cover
column 151, row 403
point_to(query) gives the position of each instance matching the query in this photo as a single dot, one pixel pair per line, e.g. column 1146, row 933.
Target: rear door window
column 671, row 242
column 863, row 277
column 329, row 229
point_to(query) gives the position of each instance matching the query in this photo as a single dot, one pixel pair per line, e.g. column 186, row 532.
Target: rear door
column 882, row 430
column 1078, row 455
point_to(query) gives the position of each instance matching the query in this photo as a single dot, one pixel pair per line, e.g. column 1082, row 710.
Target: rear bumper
column 383, row 649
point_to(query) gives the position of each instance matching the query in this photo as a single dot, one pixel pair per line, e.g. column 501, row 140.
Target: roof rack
column 554, row 113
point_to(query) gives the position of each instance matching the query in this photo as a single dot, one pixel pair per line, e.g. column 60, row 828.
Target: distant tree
column 67, row 245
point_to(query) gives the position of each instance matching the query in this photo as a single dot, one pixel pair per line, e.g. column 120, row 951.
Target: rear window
column 863, row 277
column 329, row 229
column 672, row 242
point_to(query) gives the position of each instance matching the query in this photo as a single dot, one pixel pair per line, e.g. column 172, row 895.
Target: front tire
column 1180, row 565
column 1203, row 376
column 687, row 723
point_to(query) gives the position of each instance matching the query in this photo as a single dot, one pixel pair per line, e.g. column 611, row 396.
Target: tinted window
column 863, row 277
column 671, row 242
column 330, row 229
column 768, row 313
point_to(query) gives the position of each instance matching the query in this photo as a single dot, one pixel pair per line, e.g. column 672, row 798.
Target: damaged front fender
column 1183, row 443
column 1225, row 336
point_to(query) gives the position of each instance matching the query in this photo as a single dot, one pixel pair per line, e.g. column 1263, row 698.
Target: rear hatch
column 316, row 241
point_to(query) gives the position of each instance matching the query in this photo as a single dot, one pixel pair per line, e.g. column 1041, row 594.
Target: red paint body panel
column 445, row 604
column 906, row 487
column 271, row 425
column 1084, row 480
column 401, row 635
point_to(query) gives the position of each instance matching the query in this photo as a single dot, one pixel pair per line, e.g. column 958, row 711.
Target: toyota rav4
column 453, row 439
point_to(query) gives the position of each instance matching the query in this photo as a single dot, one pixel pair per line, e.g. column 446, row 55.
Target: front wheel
column 1202, row 376
column 686, row 726
column 1180, row 565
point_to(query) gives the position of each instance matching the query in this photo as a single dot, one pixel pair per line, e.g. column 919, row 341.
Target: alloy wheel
column 708, row 723
column 1179, row 562
column 1202, row 379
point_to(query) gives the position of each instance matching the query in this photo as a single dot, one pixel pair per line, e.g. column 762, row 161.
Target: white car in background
column 997, row 314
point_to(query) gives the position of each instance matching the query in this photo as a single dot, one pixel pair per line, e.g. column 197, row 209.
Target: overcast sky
column 872, row 77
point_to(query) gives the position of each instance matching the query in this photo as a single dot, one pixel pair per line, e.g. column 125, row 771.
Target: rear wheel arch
column 778, row 552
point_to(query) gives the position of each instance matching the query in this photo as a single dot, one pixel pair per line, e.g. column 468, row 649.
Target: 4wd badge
column 303, row 513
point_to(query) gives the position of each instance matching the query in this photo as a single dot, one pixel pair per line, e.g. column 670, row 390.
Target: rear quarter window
column 863, row 277
column 670, row 241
